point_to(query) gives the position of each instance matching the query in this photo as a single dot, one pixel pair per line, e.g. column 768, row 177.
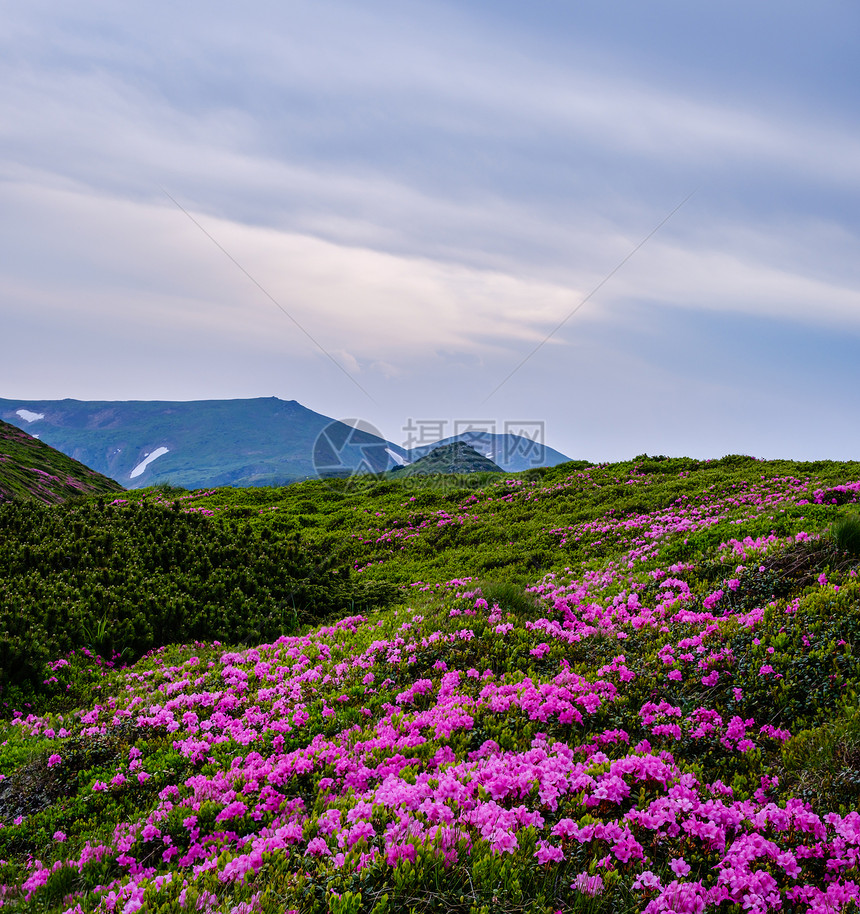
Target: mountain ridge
column 262, row 441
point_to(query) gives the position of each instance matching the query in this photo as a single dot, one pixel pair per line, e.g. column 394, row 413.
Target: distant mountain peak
column 456, row 457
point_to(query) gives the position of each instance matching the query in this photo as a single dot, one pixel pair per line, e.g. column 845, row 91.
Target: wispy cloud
column 137, row 263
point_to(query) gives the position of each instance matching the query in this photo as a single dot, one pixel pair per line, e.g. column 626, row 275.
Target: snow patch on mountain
column 28, row 415
column 400, row 461
column 148, row 458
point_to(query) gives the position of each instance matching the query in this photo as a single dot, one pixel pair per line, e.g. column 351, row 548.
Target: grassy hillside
column 30, row 470
column 122, row 579
column 606, row 688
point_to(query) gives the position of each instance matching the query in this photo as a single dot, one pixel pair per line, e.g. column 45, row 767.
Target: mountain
column 456, row 457
column 512, row 453
column 31, row 470
column 211, row 443
column 197, row 444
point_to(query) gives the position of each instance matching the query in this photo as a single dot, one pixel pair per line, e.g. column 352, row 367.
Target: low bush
column 121, row 580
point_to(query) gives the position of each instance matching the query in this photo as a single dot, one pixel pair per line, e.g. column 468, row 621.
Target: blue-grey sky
column 428, row 189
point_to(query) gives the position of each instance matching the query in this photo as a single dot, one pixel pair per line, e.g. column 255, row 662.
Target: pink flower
column 588, row 885
column 505, row 842
column 318, row 848
column 789, row 864
column 679, row 866
column 711, row 600
column 359, row 831
column 231, row 811
column 548, row 853
column 628, row 847
column 54, row 760
column 565, row 828
column 647, row 880
column 395, row 852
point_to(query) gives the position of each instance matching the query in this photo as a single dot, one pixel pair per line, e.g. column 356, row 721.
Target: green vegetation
column 513, row 527
column 121, row 580
column 846, row 534
column 606, row 689
column 121, row 577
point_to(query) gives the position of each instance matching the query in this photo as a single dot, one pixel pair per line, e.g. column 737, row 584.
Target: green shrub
column 846, row 534
column 120, row 580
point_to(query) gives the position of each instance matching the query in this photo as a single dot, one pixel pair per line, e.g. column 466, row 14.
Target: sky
column 636, row 225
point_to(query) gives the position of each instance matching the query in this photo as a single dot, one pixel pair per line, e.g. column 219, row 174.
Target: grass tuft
column 846, row 534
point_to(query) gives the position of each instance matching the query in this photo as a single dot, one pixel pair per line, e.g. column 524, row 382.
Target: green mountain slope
column 457, row 457
column 30, row 470
column 196, row 444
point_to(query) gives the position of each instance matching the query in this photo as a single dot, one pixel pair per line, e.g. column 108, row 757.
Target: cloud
column 398, row 180
column 726, row 281
column 422, row 133
column 141, row 265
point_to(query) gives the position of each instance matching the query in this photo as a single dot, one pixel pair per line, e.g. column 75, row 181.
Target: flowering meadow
column 638, row 694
